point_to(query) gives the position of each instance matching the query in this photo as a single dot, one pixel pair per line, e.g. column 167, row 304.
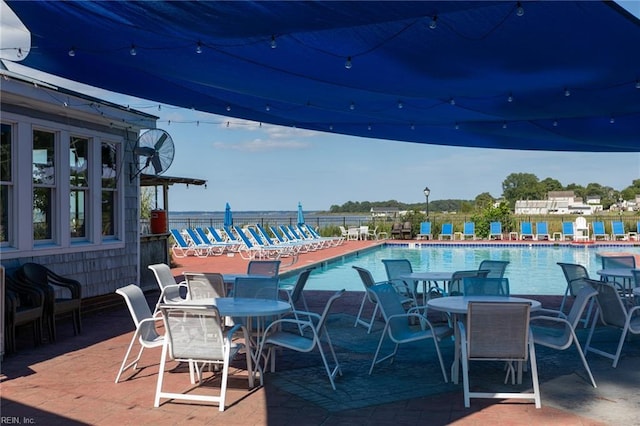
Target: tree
column 522, row 186
column 484, row 200
column 550, row 184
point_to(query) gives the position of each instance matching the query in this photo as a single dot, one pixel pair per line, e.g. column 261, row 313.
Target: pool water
column 532, row 269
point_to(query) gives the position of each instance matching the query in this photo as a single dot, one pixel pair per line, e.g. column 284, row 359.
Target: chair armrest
column 548, row 318
column 549, row 312
column 72, row 285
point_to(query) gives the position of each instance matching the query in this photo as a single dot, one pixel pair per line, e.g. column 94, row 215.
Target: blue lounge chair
column 542, row 231
column 446, row 231
column 425, row 231
column 617, row 230
column 182, row 248
column 248, row 250
column 598, row 231
column 567, row 231
column 526, row 231
column 231, row 245
column 495, row 231
column 468, row 231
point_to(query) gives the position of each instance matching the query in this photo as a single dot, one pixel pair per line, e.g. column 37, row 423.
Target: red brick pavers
column 72, row 381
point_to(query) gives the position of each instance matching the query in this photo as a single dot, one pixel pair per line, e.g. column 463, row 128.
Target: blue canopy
column 300, row 214
column 535, row 75
column 228, row 218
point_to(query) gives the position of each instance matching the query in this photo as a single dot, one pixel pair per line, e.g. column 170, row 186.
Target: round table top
column 615, row 272
column 459, row 304
column 243, row 307
column 428, row 276
column 636, row 291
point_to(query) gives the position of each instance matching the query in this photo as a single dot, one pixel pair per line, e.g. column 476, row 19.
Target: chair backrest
column 567, row 228
column 257, row 237
column 397, row 267
column 203, row 235
column 542, row 228
column 243, row 237
column 495, row 228
column 581, row 223
column 618, row 262
column 215, row 234
column 456, row 286
column 194, row 333
column 195, row 237
column 612, row 310
column 178, row 238
column 265, row 268
column 229, row 230
column 478, row 286
column 526, row 228
column 425, row 228
column 406, row 226
column 287, row 233
column 583, row 297
column 277, row 234
column 447, row 229
column 498, row 331
column 256, row 287
column 205, row 285
column 390, row 304
column 496, row 268
column 327, row 308
column 301, row 281
column 139, row 310
column 617, row 227
column 598, row 228
column 575, row 275
column 265, row 234
column 165, row 278
column 469, row 228
column 636, row 277
column 367, row 280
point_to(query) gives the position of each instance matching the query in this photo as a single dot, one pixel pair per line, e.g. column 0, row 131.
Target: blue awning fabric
column 560, row 76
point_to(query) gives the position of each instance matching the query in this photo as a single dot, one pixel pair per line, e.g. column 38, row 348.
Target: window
column 44, row 185
column 6, row 184
column 78, row 186
column 109, row 189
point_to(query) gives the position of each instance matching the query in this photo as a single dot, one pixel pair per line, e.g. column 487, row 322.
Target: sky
column 257, row 166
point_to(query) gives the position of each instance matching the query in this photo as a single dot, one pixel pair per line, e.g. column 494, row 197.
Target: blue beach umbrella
column 300, row 214
column 228, row 218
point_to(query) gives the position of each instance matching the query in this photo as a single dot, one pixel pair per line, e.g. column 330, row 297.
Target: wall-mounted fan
column 154, row 149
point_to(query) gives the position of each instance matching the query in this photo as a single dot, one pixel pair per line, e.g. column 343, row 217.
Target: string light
column 413, row 126
column 400, row 105
column 330, row 126
column 348, row 64
column 637, row 84
column 504, row 125
column 434, row 22
column 510, row 98
column 228, row 107
column 519, row 9
column 352, row 106
column 567, row 93
column 612, row 120
column 555, row 123
column 273, row 43
column 369, row 127
column 199, row 48
column 457, row 126
column 452, row 101
column 133, row 51
column 72, row 52
column 267, row 107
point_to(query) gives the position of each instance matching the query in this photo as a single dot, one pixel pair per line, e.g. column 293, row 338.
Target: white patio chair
column 170, row 290
column 368, row 282
column 559, row 331
column 613, row 313
column 397, row 325
column 204, row 285
column 195, row 335
column 146, row 332
column 315, row 329
column 498, row 331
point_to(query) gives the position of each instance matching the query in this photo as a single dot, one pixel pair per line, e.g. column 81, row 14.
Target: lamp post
column 427, row 191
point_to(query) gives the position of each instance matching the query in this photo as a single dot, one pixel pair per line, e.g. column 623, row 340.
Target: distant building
column 392, row 212
column 558, row 202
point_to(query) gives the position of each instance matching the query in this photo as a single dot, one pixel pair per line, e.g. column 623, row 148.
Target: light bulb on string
column 413, row 126
column 567, row 92
column 504, row 125
column 267, row 107
column 273, row 43
column 228, row 107
column 72, row 52
column 434, row 22
column 457, row 126
column 452, row 101
column 199, row 48
column 348, row 63
column 612, row 120
column 637, row 84
column 519, row 9
column 510, row 98
column 352, row 106
column 400, row 105
column 330, row 126
column 369, row 127
column 133, row 51
column 555, row 123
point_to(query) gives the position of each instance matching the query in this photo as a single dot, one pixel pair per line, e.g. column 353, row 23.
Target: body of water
column 531, row 270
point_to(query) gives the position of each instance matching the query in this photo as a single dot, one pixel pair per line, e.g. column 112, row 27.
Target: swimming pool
column 532, row 269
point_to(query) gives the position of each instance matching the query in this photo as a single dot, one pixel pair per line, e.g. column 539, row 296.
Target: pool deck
column 71, row 382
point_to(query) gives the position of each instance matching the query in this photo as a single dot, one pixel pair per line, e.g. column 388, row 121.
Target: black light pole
column 427, row 191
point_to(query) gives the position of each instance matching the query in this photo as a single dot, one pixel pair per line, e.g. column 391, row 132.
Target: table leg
column 455, row 367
